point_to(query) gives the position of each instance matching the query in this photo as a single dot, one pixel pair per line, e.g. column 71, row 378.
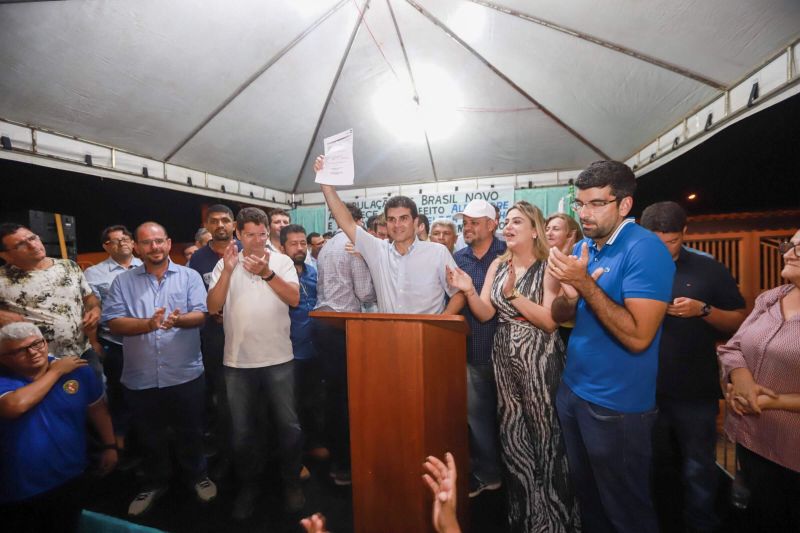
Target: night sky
column 753, row 165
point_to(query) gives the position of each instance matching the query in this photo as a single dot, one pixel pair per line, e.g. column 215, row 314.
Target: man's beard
column 298, row 259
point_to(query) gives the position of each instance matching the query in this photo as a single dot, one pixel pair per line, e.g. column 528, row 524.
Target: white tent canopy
column 434, row 89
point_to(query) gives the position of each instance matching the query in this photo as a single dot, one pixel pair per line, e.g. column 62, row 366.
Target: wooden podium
column 407, row 395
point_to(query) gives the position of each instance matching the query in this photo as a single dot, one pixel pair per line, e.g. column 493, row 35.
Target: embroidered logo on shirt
column 71, row 386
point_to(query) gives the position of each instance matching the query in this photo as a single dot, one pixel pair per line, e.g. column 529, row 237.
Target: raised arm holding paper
column 409, row 274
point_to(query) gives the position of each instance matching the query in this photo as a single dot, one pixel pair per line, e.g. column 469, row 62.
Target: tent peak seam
column 252, row 79
column 441, row 25
column 334, row 83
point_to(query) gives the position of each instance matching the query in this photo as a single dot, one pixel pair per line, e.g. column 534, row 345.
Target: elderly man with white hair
column 443, row 231
column 44, row 404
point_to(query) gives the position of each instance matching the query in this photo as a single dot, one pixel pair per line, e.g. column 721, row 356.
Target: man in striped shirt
column 343, row 285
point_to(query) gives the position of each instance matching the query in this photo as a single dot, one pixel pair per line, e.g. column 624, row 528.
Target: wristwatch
column 706, row 310
column 269, row 278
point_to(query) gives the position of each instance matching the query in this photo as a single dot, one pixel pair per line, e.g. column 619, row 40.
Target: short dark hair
column 327, row 235
column 219, row 208
column 277, row 211
column 291, row 228
column 199, row 234
column 6, row 229
column 608, row 173
column 148, row 223
column 665, row 217
column 423, row 219
column 311, row 236
column 111, row 229
column 401, row 201
column 251, row 214
column 355, row 211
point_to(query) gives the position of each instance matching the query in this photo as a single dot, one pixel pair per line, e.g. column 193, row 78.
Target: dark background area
column 753, row 165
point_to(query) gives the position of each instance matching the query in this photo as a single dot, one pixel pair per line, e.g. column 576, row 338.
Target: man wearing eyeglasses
column 158, row 308
column 256, row 287
column 44, row 406
column 118, row 243
column 616, row 286
column 51, row 293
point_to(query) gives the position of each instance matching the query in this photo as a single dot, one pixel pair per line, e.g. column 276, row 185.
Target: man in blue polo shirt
column 484, row 446
column 616, row 286
column 307, row 372
column 44, row 406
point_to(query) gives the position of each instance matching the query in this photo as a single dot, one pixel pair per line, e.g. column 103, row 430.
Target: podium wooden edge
column 454, row 322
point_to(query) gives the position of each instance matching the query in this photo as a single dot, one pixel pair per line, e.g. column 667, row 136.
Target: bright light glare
column 309, row 8
column 394, row 106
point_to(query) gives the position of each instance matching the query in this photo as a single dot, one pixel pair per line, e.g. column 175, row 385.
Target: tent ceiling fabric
column 249, row 89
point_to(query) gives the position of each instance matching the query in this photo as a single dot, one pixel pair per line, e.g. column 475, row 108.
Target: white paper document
column 338, row 169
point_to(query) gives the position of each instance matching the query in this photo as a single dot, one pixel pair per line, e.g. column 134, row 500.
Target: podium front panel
column 407, row 397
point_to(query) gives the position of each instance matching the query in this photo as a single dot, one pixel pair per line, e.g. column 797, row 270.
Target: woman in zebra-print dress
column 528, row 358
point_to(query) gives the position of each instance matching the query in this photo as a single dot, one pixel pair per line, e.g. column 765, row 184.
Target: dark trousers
column 484, row 440
column 249, row 389
column 774, row 492
column 112, row 368
column 94, row 362
column 310, row 395
column 332, row 351
column 57, row 510
column 156, row 411
column 692, row 424
column 609, row 456
column 218, row 412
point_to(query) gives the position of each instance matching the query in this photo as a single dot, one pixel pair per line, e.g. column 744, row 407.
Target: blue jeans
column 155, row 411
column 694, row 424
column 609, row 456
column 248, row 390
column 484, row 442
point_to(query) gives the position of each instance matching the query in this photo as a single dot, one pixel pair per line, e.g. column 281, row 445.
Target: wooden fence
column 751, row 256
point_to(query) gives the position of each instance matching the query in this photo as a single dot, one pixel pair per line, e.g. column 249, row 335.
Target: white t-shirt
column 255, row 319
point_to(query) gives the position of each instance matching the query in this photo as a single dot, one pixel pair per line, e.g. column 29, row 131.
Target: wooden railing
column 752, row 257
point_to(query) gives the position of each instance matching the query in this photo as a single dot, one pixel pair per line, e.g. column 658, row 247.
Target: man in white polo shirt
column 256, row 288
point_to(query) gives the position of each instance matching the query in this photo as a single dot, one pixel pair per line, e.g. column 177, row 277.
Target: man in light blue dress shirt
column 158, row 309
column 118, row 243
column 408, row 274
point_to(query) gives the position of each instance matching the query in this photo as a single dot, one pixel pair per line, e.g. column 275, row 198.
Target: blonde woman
column 528, row 358
column 563, row 231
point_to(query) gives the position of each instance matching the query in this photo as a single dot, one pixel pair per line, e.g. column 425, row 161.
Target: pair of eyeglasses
column 119, row 242
column 591, row 205
column 148, row 242
column 27, row 241
column 34, row 347
column 784, row 248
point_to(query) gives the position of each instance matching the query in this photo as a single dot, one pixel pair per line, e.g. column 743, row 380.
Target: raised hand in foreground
column 441, row 479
